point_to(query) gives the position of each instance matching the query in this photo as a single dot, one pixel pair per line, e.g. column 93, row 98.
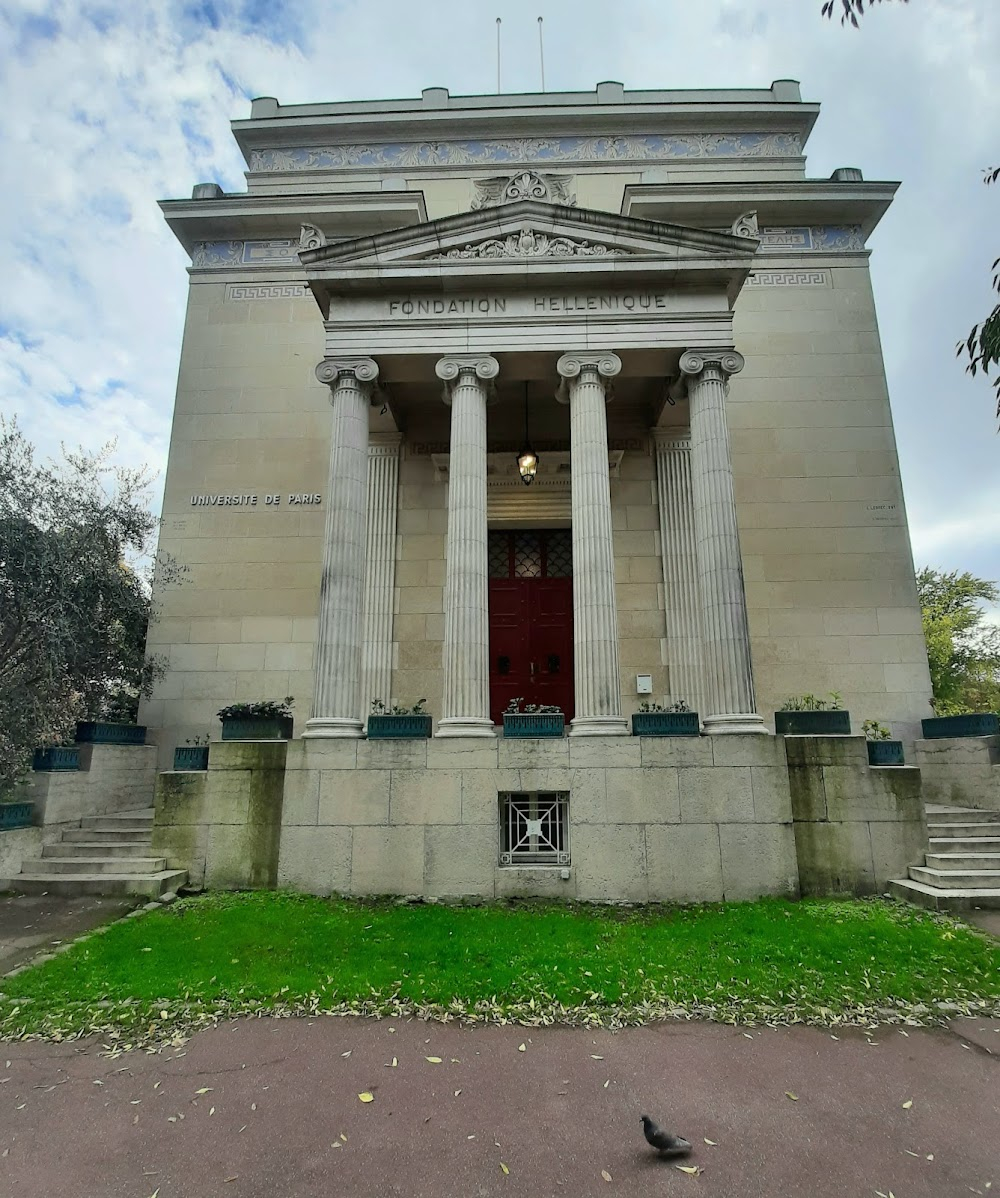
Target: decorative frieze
column 240, row 292
column 513, row 151
column 789, row 278
column 529, row 243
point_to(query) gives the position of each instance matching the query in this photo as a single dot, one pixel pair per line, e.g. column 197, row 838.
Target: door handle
column 532, row 669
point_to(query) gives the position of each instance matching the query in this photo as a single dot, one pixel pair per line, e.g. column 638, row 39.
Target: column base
column 460, row 725
column 328, row 727
column 719, row 725
column 599, row 725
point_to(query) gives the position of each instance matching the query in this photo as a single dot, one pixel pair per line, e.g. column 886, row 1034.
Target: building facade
column 646, row 291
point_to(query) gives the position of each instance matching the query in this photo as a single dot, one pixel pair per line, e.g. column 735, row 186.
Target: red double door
column 531, row 619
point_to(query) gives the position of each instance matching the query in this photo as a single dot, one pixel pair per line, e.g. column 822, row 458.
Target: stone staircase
column 107, row 854
column 962, row 864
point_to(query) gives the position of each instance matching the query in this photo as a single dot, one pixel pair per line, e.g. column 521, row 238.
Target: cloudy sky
column 109, row 106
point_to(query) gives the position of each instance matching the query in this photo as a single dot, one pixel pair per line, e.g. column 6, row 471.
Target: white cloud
column 110, row 107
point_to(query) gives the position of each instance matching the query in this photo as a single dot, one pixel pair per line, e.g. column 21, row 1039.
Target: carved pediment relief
column 531, row 243
column 525, row 185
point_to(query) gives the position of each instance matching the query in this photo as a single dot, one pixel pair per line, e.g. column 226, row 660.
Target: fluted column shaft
column 725, row 633
column 680, row 567
column 337, row 688
column 380, row 569
column 466, row 703
column 597, row 682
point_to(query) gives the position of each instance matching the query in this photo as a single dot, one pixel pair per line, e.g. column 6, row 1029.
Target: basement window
column 534, row 828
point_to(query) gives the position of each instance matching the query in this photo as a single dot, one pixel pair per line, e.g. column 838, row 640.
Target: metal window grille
column 534, row 828
column 559, row 560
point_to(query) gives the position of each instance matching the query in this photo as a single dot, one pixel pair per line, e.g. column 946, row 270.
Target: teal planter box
column 812, row 723
column 665, row 723
column 885, row 752
column 388, row 727
column 191, row 757
column 96, row 733
column 57, row 758
column 941, row 726
column 525, row 725
column 274, row 728
column 14, row 815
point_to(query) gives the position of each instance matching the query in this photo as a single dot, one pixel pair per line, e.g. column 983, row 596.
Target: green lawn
column 208, row 957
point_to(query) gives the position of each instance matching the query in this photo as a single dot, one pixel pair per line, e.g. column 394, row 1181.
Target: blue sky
column 111, row 106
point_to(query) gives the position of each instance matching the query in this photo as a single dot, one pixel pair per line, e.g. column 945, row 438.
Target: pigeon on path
column 667, row 1144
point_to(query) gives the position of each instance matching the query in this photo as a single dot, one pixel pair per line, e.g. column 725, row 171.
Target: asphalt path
column 269, row 1108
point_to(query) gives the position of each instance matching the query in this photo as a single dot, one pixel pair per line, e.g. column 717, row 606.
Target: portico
column 504, row 298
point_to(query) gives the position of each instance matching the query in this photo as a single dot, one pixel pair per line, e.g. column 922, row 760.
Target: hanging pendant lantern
column 527, row 459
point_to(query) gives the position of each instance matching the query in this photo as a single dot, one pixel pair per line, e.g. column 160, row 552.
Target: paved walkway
column 31, row 924
column 270, row 1109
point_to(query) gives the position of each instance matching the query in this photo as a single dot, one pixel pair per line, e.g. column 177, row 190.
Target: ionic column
column 337, row 690
column 725, row 636
column 597, row 685
column 380, row 569
column 467, row 379
column 680, row 566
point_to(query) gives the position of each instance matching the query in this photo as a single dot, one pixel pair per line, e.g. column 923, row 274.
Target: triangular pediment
column 549, row 236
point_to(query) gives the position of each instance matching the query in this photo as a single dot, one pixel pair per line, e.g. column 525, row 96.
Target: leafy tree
column 75, row 539
column 963, row 649
column 982, row 346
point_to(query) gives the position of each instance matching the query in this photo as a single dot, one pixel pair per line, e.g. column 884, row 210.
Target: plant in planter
column 264, row 720
column 537, row 719
column 192, row 754
column 882, row 749
column 106, row 732
column 398, row 722
column 57, row 757
column 15, row 815
column 809, row 715
column 676, row 719
column 970, row 723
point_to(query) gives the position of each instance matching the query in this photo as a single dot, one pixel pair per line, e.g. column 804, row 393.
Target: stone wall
column 17, row 845
column 964, row 771
column 223, row 825
column 111, row 778
column 856, row 827
column 650, row 819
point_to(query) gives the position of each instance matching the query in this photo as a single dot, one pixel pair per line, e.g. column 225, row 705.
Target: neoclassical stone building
column 645, row 292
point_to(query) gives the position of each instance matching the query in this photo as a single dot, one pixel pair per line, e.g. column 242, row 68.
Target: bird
column 666, row 1144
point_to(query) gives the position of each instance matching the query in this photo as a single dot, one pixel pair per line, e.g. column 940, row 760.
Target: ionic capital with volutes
column 364, row 371
column 573, row 365
column 716, row 364
column 451, row 368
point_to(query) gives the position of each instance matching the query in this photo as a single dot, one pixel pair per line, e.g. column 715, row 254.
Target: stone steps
column 95, row 865
column 90, row 848
column 70, row 885
column 109, row 854
column 961, row 866
column 962, row 860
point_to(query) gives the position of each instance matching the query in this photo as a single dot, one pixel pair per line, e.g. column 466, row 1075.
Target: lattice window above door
column 559, row 557
column 527, row 555
column 499, row 555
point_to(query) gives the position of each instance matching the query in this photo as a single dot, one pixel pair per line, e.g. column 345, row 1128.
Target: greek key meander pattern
column 524, row 150
column 789, row 278
column 265, row 291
